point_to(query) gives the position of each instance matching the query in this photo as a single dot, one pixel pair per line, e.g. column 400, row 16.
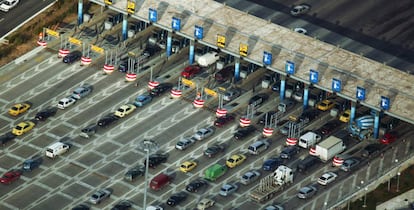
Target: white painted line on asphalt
column 1, row 19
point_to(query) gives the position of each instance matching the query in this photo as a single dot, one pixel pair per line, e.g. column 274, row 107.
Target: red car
column 190, row 71
column 221, row 121
column 10, row 176
column 389, row 137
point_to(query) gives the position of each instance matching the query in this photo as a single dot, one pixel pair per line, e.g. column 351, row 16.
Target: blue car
column 272, row 163
column 141, row 100
column 32, row 163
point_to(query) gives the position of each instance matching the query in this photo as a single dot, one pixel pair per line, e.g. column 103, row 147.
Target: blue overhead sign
column 360, row 93
column 198, row 32
column 153, row 15
column 267, row 58
column 385, row 103
column 176, row 24
column 336, row 85
column 313, row 76
column 290, row 67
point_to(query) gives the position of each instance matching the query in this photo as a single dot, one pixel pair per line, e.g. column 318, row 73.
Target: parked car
column 184, row 143
column 107, row 120
column 235, row 160
column 228, row 189
column 23, row 127
column 307, row 192
column 258, row 100
column 32, row 163
column 389, row 137
column 72, row 57
column 141, row 100
column 82, row 91
column 371, row 150
column 10, row 176
column 6, row 138
column 243, row 132
column 188, row 166
column 299, row 9
column 160, row 89
column 177, row 198
column 190, row 71
column 289, row 152
column 20, row 108
column 221, row 121
column 327, row 178
column 272, row 163
column 99, row 196
column 156, row 159
column 66, row 102
column 205, row 203
column 350, row 164
column 194, row 185
column 134, row 172
column 45, row 113
column 214, row 150
column 81, row 207
column 89, row 131
column 122, row 205
column 250, row 177
column 203, row 133
column 125, row 110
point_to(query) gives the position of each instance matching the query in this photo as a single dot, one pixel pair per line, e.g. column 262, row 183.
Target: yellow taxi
column 325, row 105
column 23, row 128
column 235, row 160
column 345, row 116
column 19, row 108
column 188, row 166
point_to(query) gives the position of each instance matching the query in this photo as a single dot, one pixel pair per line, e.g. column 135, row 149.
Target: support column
column 236, row 70
column 305, row 97
column 353, row 110
column 376, row 124
column 282, row 87
column 125, row 28
column 80, row 12
column 169, row 43
column 191, row 54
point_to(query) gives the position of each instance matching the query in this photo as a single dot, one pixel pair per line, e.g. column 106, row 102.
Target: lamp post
column 398, row 182
column 365, row 198
column 147, row 146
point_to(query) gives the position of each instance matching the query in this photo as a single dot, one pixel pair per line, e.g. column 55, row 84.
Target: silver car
column 203, row 133
column 100, row 195
column 307, row 192
column 184, row 143
column 250, row 177
column 82, row 91
column 228, row 189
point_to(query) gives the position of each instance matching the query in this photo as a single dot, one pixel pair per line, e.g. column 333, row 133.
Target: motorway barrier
column 244, row 122
column 312, row 151
column 130, row 77
column 198, row 103
column 153, row 84
column 176, row 93
column 108, row 68
column 85, row 61
column 291, row 141
column 267, row 132
column 63, row 52
column 220, row 112
column 337, row 161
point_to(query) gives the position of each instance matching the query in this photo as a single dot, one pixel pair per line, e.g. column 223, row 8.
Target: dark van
column 307, row 163
column 224, row 74
column 160, row 181
column 72, row 57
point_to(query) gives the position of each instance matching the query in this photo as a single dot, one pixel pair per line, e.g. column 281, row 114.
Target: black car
column 151, row 50
column 156, row 159
column 122, row 205
column 134, row 172
column 32, row 163
column 258, row 99
column 242, row 133
column 214, row 150
column 221, row 121
column 309, row 115
column 6, row 138
column 81, row 207
column 89, row 131
column 160, row 89
column 371, row 150
column 268, row 115
column 329, row 127
column 43, row 114
column 107, row 120
column 177, row 198
column 272, row 163
column 72, row 57
column 289, row 152
column 195, row 185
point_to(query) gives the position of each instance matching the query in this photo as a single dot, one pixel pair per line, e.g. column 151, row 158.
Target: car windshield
column 19, row 127
column 14, row 108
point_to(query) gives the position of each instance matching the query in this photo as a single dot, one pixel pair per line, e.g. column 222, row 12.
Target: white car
column 327, row 178
column 203, row 133
column 8, row 5
column 299, row 9
column 66, row 102
column 184, row 143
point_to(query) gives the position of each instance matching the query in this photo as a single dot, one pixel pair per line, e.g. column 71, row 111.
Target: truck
column 329, row 147
column 208, row 59
column 362, row 127
column 272, row 184
column 309, row 139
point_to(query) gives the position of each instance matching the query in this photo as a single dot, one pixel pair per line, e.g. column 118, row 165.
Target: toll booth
column 224, row 60
column 136, row 26
column 112, row 20
column 246, row 69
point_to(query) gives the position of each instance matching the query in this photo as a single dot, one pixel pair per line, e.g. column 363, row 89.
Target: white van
column 258, row 147
column 56, row 149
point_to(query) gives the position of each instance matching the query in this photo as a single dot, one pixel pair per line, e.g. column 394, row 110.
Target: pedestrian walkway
column 402, row 201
